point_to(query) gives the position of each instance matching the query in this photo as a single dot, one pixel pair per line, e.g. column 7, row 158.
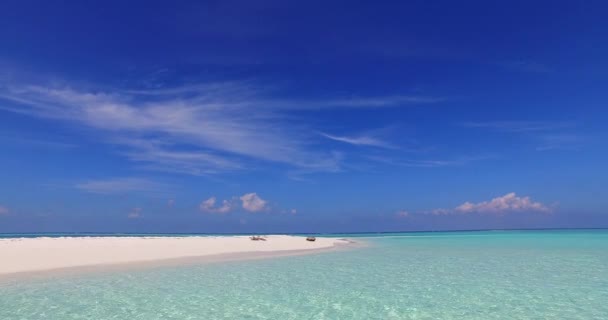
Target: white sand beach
column 21, row 255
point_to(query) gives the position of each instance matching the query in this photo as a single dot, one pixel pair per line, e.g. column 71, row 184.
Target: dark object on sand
column 311, row 239
column 257, row 238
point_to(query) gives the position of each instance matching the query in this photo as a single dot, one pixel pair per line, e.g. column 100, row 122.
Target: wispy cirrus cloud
column 193, row 135
column 36, row 143
column 429, row 163
column 121, row 185
column 375, row 102
column 546, row 135
column 524, row 65
column 552, row 141
column 362, row 140
column 520, row 126
column 195, row 129
column 158, row 155
column 506, row 204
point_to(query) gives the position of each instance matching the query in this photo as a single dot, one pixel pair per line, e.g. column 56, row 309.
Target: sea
column 532, row 274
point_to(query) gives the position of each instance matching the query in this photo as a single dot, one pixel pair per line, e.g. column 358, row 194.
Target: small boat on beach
column 311, row 239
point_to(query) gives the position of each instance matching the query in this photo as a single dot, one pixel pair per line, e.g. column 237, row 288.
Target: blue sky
column 277, row 116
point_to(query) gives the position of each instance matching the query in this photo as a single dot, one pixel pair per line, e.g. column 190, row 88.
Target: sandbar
column 27, row 255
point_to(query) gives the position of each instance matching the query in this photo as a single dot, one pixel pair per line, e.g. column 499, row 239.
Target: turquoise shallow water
column 469, row 275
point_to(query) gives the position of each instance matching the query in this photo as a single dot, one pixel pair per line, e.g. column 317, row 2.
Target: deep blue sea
column 559, row 274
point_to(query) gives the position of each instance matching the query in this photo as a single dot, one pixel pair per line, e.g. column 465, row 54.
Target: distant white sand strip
column 21, row 255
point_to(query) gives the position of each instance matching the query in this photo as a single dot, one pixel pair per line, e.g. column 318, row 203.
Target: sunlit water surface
column 473, row 275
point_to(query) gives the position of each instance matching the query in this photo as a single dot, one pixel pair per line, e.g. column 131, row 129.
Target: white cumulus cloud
column 402, row 214
column 253, row 203
column 506, row 203
column 249, row 202
column 135, row 213
column 210, row 207
column 502, row 205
